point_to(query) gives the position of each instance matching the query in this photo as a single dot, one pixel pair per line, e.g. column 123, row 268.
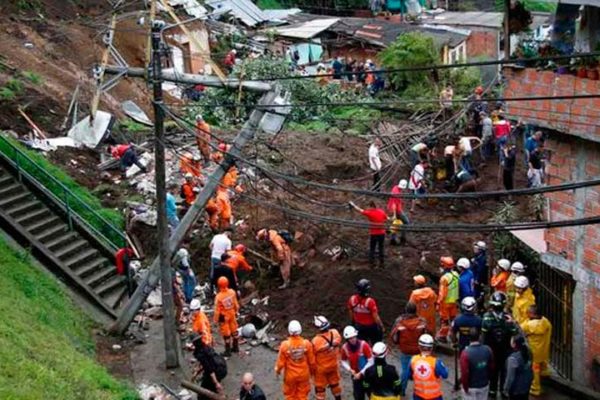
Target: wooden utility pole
column 166, row 275
column 507, row 29
column 151, row 280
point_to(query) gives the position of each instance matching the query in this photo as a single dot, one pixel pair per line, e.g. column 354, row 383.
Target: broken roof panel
column 482, row 19
column 281, row 15
column 245, row 10
column 306, row 30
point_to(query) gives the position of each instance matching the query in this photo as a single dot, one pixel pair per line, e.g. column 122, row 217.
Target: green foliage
column 84, row 203
column 46, row 350
column 410, row 50
column 506, row 245
column 302, row 91
column 269, row 4
column 6, row 94
column 33, row 77
column 15, row 85
column 531, row 5
column 29, row 5
column 130, row 125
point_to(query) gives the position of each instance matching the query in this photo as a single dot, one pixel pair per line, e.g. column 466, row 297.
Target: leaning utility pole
column 166, row 275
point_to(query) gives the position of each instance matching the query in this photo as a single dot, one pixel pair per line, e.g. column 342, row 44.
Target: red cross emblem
column 422, row 369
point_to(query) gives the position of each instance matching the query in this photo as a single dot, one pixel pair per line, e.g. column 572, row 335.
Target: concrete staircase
column 76, row 258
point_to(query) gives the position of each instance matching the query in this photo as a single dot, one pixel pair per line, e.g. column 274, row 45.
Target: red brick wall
column 482, row 44
column 579, row 117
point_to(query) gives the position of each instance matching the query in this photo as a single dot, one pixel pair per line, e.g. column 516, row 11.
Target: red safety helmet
column 240, row 248
column 223, row 282
column 447, row 262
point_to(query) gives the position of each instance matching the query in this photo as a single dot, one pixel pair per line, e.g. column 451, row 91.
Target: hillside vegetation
column 46, row 348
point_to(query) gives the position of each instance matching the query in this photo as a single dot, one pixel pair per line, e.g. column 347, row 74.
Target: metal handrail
column 68, row 197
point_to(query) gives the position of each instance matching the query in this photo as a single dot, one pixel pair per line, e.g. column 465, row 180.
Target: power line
column 475, row 195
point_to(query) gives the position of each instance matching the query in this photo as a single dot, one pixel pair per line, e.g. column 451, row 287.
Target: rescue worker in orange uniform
column 237, row 261
column 296, row 359
column 282, row 253
column 203, row 138
column 226, row 309
column 426, row 371
column 212, row 209
column 500, row 276
column 218, row 156
column 224, row 206
column 200, row 323
column 189, row 190
column 326, row 346
column 447, row 297
column 190, row 163
column 229, row 180
column 425, row 299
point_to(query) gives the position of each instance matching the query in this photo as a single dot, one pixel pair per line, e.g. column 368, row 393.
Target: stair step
column 19, row 209
column 11, row 188
column 80, row 257
column 5, row 177
column 114, row 298
column 109, row 285
column 10, row 201
column 89, row 267
column 60, row 240
column 70, row 248
column 35, row 214
column 42, row 224
column 52, row 232
column 100, row 275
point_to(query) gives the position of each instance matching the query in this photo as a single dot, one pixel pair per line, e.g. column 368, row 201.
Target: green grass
column 269, row 4
column 46, row 350
column 43, row 170
column 34, row 78
column 7, row 94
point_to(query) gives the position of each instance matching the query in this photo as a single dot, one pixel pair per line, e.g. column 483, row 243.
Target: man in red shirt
column 122, row 258
column 377, row 217
column 364, row 313
column 127, row 156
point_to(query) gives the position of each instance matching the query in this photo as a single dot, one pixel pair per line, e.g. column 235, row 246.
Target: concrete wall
column 579, row 117
column 576, row 250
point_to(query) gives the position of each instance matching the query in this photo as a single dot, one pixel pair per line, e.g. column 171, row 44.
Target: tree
column 410, row 50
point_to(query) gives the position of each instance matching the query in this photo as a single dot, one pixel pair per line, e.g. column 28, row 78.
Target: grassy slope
column 46, row 350
column 269, row 4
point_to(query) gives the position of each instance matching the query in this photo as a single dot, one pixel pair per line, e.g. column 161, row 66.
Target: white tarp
column 136, row 113
column 306, row 30
column 90, row 135
column 191, row 7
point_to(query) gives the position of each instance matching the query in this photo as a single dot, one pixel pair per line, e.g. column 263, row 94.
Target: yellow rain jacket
column 539, row 333
column 521, row 305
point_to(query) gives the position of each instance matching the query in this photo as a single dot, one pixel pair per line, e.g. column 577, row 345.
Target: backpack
column 182, row 192
column 220, row 364
column 286, row 236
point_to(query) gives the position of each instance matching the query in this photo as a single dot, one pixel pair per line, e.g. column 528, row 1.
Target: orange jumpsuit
column 498, row 281
column 187, row 190
column 447, row 302
column 224, row 205
column 188, row 165
column 201, row 326
column 283, row 254
column 212, row 209
column 425, row 299
column 297, row 360
column 226, row 308
column 327, row 354
column 230, row 178
column 237, row 261
column 203, row 139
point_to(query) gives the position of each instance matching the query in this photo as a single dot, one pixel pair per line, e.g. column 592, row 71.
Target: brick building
column 573, row 254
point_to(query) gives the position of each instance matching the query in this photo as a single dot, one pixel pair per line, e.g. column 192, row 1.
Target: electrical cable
column 475, row 195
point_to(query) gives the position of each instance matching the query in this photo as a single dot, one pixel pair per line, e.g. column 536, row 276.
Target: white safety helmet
column 189, row 175
column 403, row 184
column 480, row 245
column 521, row 282
column 248, row 331
column 183, row 253
column 468, row 304
column 321, row 323
column 504, row 264
column 196, row 157
column 426, row 340
column 517, row 267
column 379, row 350
column 463, row 263
column 350, row 332
column 294, row 328
column 195, row 305
column 199, row 117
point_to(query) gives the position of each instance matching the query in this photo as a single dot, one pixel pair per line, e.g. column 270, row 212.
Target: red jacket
column 122, row 257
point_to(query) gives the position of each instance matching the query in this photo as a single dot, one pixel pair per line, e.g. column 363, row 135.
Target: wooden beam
column 103, row 63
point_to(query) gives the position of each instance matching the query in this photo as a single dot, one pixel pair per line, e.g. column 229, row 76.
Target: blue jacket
column 466, row 284
column 479, row 267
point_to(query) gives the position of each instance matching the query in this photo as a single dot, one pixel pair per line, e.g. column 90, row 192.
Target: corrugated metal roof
column 306, row 30
column 244, row 10
column 468, row 18
column 281, row 15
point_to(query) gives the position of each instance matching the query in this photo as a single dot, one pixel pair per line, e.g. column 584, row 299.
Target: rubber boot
column 338, row 397
column 236, row 345
column 227, row 352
